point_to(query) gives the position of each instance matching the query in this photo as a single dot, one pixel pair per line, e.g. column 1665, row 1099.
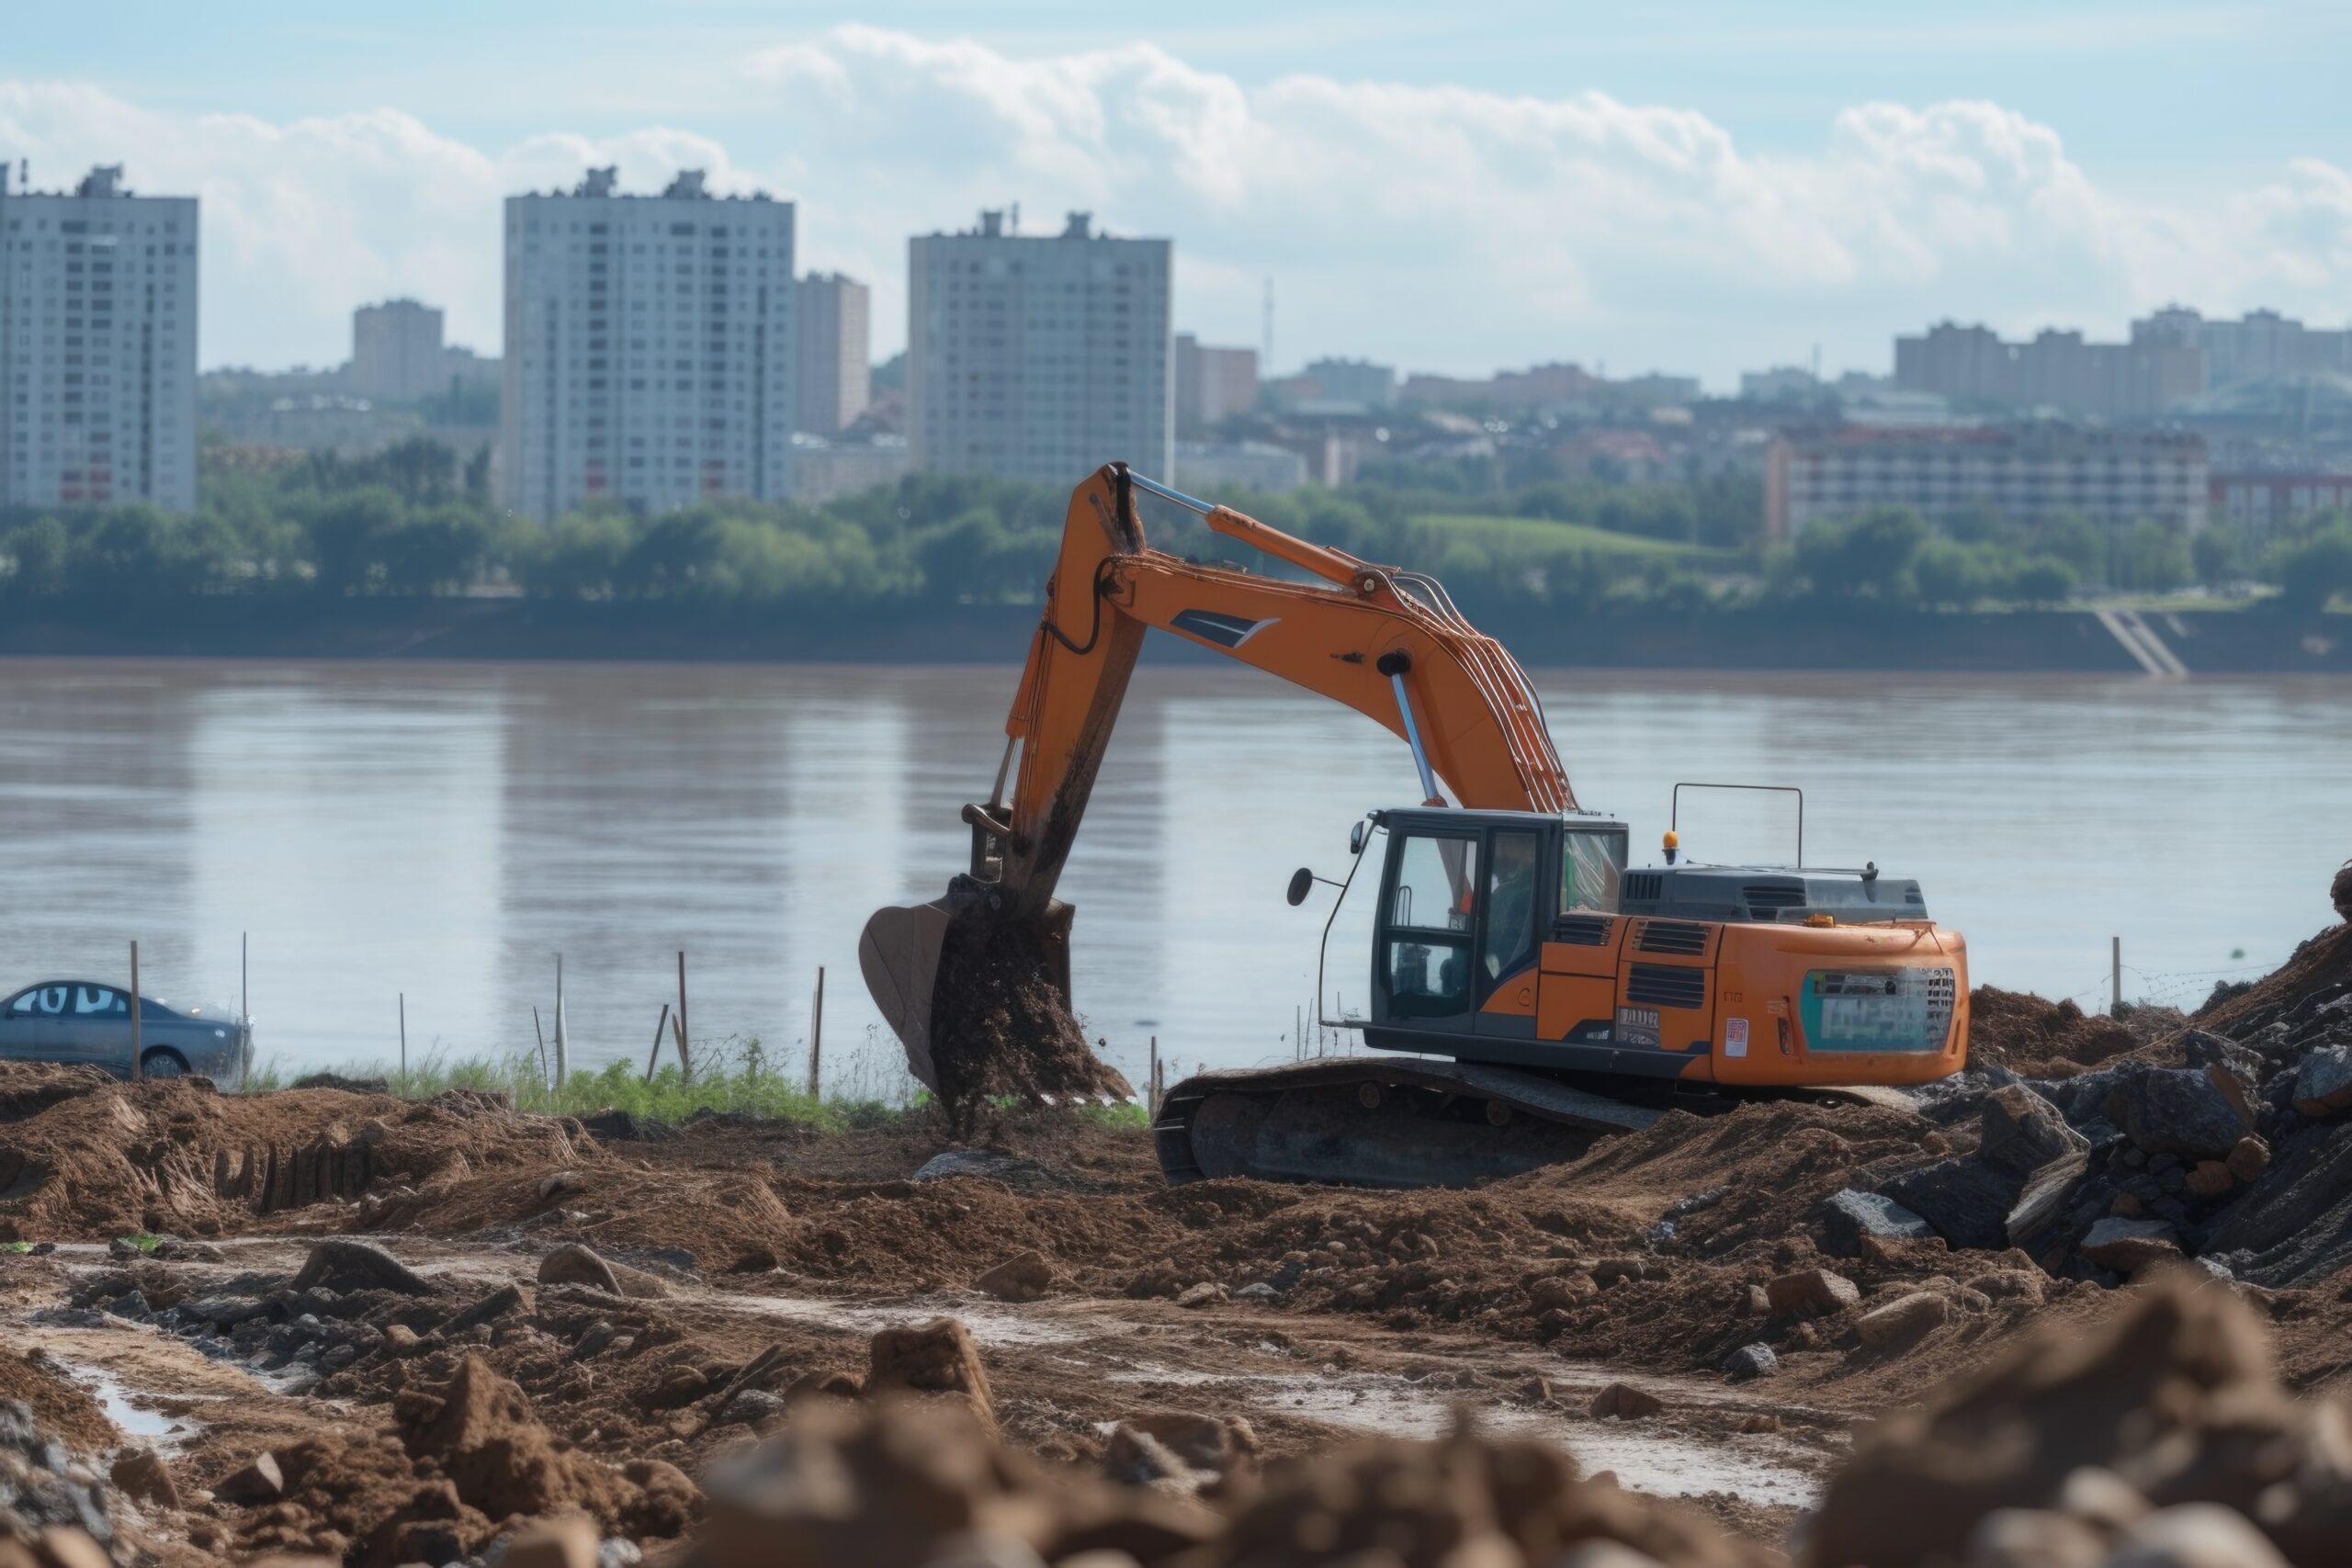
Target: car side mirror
column 1355, row 838
column 1302, row 881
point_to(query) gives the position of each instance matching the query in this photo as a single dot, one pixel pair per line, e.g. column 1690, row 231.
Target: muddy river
column 442, row 833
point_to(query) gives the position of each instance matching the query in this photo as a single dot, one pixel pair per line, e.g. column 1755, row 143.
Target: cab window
column 1591, row 865
column 1437, row 881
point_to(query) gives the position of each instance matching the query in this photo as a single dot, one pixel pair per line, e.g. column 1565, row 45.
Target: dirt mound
column 2175, row 1400
column 999, row 1023
column 173, row 1155
column 2039, row 1039
column 707, row 1219
column 56, row 1401
column 2302, row 1004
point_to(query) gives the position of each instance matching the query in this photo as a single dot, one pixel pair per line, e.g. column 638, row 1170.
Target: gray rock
column 2178, row 1110
column 357, row 1263
column 2042, row 1207
column 130, row 1304
column 1752, row 1361
column 750, row 1407
column 1966, row 1200
column 2129, row 1245
column 2023, row 1133
column 616, row 1552
column 2324, row 1080
column 1257, row 1291
column 1848, row 1216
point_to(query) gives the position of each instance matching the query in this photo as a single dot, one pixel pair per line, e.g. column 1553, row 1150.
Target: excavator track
column 1379, row 1121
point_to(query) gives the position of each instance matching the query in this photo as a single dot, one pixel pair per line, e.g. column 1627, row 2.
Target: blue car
column 88, row 1023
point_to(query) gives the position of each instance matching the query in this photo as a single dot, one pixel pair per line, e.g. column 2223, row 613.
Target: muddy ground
column 556, row 1314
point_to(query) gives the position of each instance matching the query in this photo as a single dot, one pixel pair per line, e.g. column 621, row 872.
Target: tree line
column 413, row 520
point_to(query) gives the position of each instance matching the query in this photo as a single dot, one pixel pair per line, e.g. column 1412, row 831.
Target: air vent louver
column 1666, row 985
column 1644, row 886
column 1678, row 937
column 1765, row 898
column 1581, row 930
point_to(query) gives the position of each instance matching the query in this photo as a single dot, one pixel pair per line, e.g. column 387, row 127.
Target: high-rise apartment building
column 649, row 347
column 97, row 345
column 396, row 351
column 1035, row 358
column 2261, row 345
column 2028, row 474
column 836, row 353
column 1212, row 384
column 2056, row 370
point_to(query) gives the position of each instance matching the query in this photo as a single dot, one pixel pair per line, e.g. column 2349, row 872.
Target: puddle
column 1661, row 1463
column 989, row 1326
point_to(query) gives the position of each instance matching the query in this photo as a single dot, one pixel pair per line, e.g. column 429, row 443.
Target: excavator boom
column 1386, row 642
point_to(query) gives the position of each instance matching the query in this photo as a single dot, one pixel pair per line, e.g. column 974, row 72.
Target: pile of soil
column 97, row 1158
column 2300, row 1006
column 57, row 1402
column 468, row 1456
column 1000, row 1024
column 2039, row 1039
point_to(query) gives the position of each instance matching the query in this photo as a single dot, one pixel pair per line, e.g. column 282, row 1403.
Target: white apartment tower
column 834, row 319
column 1038, row 357
column 396, row 351
column 97, row 345
column 649, row 348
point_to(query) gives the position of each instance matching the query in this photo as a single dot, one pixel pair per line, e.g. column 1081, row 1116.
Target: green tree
column 2313, row 570
column 2214, row 553
column 1947, row 572
column 1869, row 557
column 2148, row 557
column 2042, row 580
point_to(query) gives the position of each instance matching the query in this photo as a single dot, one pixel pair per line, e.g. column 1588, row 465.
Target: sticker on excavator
column 1877, row 1010
column 1637, row 1026
column 1735, row 1037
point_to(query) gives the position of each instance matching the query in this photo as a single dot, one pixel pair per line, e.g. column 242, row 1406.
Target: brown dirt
column 2039, row 1039
column 58, row 1401
column 1000, row 1025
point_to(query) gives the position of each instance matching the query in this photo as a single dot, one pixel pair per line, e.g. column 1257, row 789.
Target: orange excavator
column 1528, row 990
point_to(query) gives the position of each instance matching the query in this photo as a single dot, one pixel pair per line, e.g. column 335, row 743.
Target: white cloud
column 1440, row 226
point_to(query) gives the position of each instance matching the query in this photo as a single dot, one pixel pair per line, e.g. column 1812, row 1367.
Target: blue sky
column 1699, row 187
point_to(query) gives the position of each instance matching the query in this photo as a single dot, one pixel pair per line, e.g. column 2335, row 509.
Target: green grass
column 737, row 1076
column 1517, row 535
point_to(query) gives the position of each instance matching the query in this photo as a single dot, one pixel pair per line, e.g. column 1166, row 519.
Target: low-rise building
column 1204, row 468
column 2030, row 474
column 1212, row 384
column 2263, row 506
column 825, row 471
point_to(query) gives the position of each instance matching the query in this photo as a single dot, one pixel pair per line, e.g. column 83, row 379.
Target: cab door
column 1514, row 896
column 1423, row 948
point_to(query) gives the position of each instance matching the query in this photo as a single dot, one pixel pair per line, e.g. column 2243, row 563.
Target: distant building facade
column 2028, row 474
column 2263, row 507
column 2056, row 370
column 1038, row 357
column 825, row 471
column 1337, row 387
column 2261, row 347
column 397, row 351
column 649, row 348
column 1212, row 384
column 1204, row 469
column 97, row 345
column 836, row 353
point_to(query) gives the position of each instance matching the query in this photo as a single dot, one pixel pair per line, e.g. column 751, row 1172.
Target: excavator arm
column 1386, row 642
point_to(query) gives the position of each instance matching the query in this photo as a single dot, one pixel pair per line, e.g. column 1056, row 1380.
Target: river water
column 445, row 832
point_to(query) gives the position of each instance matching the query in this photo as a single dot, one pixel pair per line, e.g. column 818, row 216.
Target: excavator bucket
column 898, row 953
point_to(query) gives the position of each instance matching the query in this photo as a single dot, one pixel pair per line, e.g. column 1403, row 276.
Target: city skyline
column 1635, row 207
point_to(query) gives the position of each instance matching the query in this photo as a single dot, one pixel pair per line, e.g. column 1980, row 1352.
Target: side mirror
column 1355, row 837
column 1302, row 881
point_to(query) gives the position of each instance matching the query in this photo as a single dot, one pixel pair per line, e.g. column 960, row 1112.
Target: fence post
column 137, row 1071
column 817, row 1037
column 561, row 1044
column 1151, row 1085
column 653, row 1056
column 2114, row 971
column 685, row 1055
column 403, row 1041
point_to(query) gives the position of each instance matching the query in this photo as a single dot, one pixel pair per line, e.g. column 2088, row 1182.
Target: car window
column 96, row 1001
column 41, row 1001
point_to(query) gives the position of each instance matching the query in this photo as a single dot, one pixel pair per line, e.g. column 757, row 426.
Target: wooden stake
column 2115, row 970
column 137, row 1071
column 543, row 1042
column 561, row 1044
column 655, row 1055
column 403, row 1039
column 817, row 1037
column 1151, row 1085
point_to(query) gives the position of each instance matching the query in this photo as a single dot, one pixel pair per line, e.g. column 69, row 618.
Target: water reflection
column 446, row 831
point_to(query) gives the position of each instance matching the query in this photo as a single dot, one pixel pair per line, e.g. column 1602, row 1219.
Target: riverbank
column 2255, row 640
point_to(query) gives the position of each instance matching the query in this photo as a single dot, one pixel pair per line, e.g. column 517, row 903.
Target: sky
column 1700, row 188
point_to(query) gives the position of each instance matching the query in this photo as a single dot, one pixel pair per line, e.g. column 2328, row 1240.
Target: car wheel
column 160, row 1064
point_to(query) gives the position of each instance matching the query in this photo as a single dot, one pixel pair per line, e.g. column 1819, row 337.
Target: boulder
column 2035, row 1219
column 2323, row 1081
column 2250, row 1158
column 1848, row 1216
column 1206, row 1293
column 2023, row 1132
column 2210, row 1179
column 2130, row 1246
column 143, row 1473
column 572, row 1264
column 567, row 1542
column 1812, row 1291
column 260, row 1480
column 1023, row 1278
column 352, row 1265
column 1901, row 1320
column 938, row 1357
column 2196, row 1535
column 2177, row 1111
column 1750, row 1362
column 1966, row 1200
column 1626, row 1402
column 506, row 1299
